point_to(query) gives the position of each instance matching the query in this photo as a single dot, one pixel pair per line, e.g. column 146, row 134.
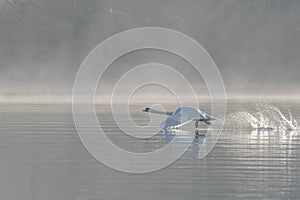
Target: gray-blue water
column 41, row 157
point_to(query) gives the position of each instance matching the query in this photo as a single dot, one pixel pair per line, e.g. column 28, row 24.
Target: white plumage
column 182, row 116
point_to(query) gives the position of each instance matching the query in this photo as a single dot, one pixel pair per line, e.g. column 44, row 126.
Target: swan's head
column 146, row 110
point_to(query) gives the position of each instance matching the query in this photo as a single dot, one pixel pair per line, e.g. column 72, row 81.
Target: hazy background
column 256, row 44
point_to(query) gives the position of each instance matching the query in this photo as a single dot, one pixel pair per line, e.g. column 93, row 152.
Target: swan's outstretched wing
column 180, row 117
column 174, row 122
column 184, row 115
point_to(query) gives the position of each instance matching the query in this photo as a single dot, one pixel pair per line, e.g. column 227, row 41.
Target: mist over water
column 254, row 43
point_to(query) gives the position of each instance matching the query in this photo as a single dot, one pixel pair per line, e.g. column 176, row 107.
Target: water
column 42, row 157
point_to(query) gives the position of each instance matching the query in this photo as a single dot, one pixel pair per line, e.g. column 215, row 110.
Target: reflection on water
column 178, row 136
column 281, row 136
column 42, row 158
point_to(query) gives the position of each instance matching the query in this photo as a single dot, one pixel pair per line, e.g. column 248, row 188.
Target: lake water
column 42, row 157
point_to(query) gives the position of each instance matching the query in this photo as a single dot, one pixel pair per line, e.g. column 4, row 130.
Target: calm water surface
column 41, row 157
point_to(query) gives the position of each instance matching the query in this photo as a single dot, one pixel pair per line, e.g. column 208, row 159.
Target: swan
column 182, row 115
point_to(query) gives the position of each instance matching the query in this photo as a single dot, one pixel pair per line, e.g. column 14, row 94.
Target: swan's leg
column 196, row 124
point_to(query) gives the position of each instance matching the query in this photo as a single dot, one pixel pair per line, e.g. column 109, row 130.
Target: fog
column 254, row 43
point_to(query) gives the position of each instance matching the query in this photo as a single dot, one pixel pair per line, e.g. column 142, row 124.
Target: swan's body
column 182, row 116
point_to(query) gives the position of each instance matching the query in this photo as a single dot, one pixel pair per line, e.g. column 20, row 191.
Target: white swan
column 182, row 116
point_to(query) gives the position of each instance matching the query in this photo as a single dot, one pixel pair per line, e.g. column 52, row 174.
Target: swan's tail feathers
column 150, row 110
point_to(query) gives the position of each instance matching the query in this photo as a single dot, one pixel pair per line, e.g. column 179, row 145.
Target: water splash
column 267, row 117
column 285, row 124
column 256, row 122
